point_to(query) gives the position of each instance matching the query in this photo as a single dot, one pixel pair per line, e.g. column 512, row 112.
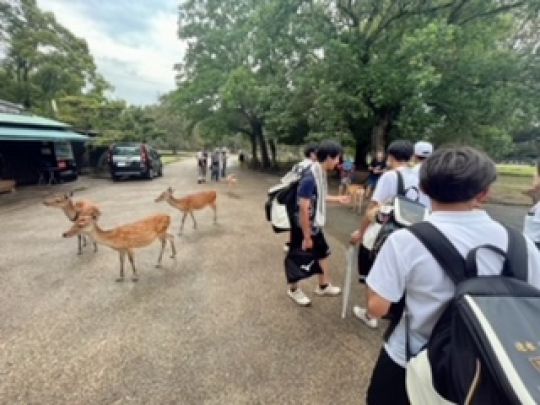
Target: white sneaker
column 299, row 297
column 330, row 290
column 360, row 313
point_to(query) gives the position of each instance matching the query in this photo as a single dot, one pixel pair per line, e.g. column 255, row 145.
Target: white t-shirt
column 405, row 264
column 387, row 187
column 531, row 223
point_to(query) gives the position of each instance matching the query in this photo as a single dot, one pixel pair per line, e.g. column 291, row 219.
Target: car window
column 127, row 150
column 63, row 151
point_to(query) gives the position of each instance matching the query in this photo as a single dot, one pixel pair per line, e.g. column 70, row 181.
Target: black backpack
column 485, row 347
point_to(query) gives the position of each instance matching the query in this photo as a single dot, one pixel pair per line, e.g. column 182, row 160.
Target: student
column 531, row 224
column 376, row 169
column 307, row 226
column 458, row 181
column 399, row 155
column 422, row 150
column 310, row 156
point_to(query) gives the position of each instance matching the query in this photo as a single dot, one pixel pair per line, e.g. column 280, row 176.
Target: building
column 35, row 149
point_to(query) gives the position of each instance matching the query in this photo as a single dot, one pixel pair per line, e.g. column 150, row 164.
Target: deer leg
column 215, row 212
column 122, row 255
column 163, row 240
column 193, row 217
column 182, row 224
column 83, row 240
column 171, row 241
column 79, row 244
column 132, row 261
column 95, row 246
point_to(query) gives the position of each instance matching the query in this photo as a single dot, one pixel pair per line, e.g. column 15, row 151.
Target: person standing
column 458, row 181
column 376, row 169
column 310, row 218
column 215, row 165
column 223, row 162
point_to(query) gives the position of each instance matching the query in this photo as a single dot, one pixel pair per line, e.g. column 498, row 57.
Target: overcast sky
column 134, row 42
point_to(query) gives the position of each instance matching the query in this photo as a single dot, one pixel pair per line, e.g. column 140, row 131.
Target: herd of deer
column 126, row 238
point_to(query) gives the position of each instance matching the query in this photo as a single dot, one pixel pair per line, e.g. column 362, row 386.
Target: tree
column 43, row 61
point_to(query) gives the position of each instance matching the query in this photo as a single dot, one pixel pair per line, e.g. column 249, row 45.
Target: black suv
column 134, row 159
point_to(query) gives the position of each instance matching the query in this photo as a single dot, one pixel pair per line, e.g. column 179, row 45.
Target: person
column 223, row 162
column 241, row 157
column 399, row 154
column 346, row 170
column 309, row 220
column 422, row 150
column 531, row 224
column 310, row 156
column 201, row 167
column 376, row 169
column 457, row 180
column 215, row 164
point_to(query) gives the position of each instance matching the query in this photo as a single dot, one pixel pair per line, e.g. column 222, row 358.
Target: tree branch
column 493, row 12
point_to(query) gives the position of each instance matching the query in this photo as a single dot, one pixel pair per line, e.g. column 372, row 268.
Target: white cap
column 423, row 149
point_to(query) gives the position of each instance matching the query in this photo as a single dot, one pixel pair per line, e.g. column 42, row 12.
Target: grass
column 168, row 159
column 516, row 170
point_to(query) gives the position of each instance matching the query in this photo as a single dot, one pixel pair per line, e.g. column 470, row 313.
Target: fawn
column 74, row 210
column 190, row 203
column 124, row 239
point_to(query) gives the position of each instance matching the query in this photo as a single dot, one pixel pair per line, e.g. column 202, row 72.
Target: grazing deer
column 73, row 211
column 124, row 239
column 356, row 191
column 190, row 203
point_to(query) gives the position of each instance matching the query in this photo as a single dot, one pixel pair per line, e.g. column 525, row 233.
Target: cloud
column 134, row 43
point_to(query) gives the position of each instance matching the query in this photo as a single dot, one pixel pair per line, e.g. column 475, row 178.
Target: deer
column 74, row 210
column 357, row 192
column 190, row 203
column 124, row 239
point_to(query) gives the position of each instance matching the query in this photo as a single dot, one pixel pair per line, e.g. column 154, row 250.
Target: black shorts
column 365, row 261
column 320, row 249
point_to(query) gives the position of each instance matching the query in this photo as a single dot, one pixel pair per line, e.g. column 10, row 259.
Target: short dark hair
column 328, row 149
column 309, row 149
column 400, row 150
column 456, row 174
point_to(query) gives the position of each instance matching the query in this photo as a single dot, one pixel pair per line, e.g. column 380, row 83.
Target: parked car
column 57, row 158
column 134, row 159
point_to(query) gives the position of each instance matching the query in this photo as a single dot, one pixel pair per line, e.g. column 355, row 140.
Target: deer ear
column 170, row 190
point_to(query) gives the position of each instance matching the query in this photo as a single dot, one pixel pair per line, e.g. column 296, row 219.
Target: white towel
column 322, row 190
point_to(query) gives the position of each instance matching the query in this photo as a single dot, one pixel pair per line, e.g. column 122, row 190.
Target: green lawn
column 516, row 170
column 167, row 159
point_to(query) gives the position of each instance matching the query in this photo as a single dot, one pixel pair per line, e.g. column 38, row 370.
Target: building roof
column 39, row 134
column 29, row 121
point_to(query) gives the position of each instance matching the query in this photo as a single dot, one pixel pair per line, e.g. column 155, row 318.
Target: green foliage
column 445, row 70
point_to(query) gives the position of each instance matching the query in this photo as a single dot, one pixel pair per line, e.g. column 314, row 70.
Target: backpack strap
column 515, row 263
column 400, row 183
column 441, row 249
column 446, row 255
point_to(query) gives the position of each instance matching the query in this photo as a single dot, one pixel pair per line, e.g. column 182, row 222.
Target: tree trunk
column 379, row 135
column 272, row 145
column 258, row 130
column 254, row 156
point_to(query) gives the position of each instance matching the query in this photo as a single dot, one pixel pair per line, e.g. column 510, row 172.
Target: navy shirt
column 307, row 188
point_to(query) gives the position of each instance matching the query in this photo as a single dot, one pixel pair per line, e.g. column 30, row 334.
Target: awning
column 38, row 134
